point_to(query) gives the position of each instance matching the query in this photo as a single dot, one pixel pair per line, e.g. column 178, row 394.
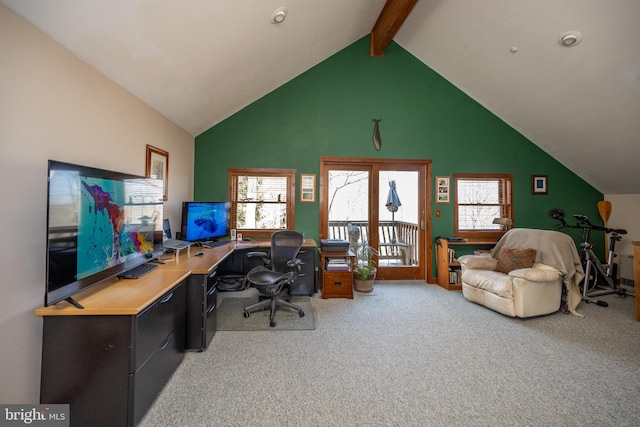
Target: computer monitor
column 205, row 221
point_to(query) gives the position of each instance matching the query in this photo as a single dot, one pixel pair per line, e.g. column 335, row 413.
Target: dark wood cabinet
column 109, row 364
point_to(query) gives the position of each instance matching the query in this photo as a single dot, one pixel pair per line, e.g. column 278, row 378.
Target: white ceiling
column 199, row 61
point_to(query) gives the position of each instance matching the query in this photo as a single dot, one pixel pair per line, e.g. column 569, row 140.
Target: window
column 262, row 200
column 479, row 199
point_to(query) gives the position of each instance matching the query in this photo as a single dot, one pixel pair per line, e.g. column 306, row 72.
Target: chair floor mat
column 230, row 316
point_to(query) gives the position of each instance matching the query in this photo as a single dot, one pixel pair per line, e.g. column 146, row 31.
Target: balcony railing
column 401, row 251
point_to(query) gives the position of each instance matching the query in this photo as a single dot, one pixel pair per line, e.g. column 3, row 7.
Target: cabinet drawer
column 337, row 284
column 148, row 381
column 158, row 321
column 211, row 323
column 212, row 279
column 212, row 298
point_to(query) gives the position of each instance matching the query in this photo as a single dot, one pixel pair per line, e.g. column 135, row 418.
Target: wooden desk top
column 118, row 297
column 130, row 297
column 267, row 243
column 188, row 261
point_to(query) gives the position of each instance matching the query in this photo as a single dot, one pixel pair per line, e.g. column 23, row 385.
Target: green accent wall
column 328, row 111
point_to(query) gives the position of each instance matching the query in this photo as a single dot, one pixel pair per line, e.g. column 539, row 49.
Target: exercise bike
column 599, row 279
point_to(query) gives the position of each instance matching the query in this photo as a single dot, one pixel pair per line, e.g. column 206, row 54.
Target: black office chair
column 280, row 269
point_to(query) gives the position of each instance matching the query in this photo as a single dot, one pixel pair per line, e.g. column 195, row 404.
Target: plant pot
column 364, row 285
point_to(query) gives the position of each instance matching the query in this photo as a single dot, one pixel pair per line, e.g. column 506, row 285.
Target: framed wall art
column 307, row 187
column 442, row 189
column 158, row 167
column 539, row 184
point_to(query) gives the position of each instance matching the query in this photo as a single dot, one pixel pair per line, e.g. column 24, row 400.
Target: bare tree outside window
column 479, row 199
column 262, row 200
column 348, row 195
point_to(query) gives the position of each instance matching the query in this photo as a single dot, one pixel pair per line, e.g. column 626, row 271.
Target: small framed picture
column 307, row 187
column 442, row 189
column 158, row 167
column 539, row 184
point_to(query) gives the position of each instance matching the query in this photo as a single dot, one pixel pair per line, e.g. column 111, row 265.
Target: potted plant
column 365, row 270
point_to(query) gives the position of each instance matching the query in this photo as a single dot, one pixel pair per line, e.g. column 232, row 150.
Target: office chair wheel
column 301, row 313
column 272, row 323
column 246, row 314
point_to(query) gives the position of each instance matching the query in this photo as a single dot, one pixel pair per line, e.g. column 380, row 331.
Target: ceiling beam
column 389, row 22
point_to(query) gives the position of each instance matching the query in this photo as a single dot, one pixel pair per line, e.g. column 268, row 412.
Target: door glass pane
column 348, row 203
column 398, row 218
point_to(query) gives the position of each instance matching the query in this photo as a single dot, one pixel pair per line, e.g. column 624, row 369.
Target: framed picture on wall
column 158, row 166
column 539, row 184
column 442, row 189
column 307, row 187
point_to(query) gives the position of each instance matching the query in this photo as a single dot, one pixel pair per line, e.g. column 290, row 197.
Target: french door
column 384, row 203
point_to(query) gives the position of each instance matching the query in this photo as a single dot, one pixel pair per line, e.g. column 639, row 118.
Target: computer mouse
column 199, row 253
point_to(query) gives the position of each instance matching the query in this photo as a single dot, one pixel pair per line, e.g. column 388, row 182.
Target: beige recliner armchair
column 525, row 274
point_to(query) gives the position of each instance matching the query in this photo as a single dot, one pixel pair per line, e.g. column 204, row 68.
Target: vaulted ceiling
column 199, row 61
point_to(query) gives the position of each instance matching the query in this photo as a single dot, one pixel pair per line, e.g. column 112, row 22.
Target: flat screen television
column 99, row 224
column 205, row 221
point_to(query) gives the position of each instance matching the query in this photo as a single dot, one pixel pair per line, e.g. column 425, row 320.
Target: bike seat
column 616, row 230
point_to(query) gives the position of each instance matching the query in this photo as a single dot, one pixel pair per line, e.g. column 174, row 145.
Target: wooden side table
column 336, row 274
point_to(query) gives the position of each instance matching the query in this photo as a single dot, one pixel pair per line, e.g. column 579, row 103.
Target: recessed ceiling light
column 279, row 15
column 570, row 38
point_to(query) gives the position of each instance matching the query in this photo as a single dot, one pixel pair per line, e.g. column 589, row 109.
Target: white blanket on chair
column 553, row 248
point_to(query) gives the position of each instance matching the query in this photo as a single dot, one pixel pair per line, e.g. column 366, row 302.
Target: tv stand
column 74, row 302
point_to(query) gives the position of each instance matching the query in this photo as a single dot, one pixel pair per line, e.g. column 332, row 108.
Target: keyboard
column 138, row 272
column 217, row 244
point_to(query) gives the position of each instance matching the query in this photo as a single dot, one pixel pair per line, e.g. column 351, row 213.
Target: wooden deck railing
column 403, row 249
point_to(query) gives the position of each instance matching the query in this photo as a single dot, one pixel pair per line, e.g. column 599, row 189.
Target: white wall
column 54, row 106
column 625, row 213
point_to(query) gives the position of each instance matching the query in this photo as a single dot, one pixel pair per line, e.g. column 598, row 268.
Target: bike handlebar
column 583, row 222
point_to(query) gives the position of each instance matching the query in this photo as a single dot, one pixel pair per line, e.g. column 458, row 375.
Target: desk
column 202, row 290
column 304, row 285
column 111, row 359
column 636, row 276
